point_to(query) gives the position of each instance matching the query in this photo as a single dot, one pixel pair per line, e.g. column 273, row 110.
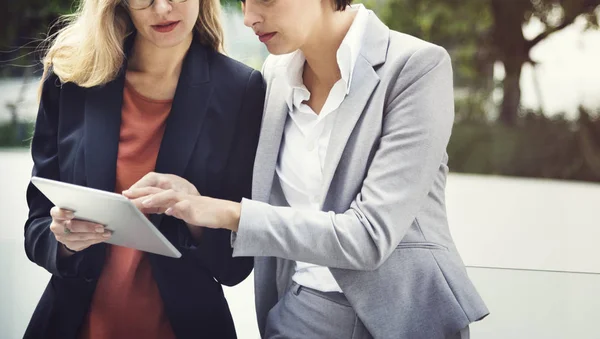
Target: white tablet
column 130, row 227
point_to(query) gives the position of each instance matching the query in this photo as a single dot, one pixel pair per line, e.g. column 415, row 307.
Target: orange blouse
column 127, row 302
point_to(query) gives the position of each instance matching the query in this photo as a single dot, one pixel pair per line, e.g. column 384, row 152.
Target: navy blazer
column 210, row 139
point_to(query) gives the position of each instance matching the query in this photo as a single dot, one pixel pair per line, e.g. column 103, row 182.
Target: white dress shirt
column 306, row 137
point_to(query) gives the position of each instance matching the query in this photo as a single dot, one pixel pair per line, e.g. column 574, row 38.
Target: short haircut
column 341, row 5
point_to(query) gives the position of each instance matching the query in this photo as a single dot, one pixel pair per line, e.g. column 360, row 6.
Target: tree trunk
column 512, row 49
column 590, row 148
column 512, row 96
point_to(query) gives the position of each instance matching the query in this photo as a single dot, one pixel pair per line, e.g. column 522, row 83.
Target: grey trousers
column 304, row 313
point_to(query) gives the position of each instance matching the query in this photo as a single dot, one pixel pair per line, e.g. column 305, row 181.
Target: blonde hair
column 88, row 51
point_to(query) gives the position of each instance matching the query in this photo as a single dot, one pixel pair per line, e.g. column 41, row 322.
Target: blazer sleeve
column 214, row 248
column 41, row 246
column 416, row 129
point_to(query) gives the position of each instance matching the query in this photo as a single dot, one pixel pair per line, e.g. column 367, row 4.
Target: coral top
column 127, row 302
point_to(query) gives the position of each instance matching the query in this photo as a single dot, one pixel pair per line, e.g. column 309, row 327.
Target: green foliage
column 29, row 18
column 16, row 135
column 538, row 147
column 461, row 26
column 231, row 3
column 23, row 26
column 478, row 33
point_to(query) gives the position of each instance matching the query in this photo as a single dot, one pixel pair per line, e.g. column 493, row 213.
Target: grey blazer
column 382, row 230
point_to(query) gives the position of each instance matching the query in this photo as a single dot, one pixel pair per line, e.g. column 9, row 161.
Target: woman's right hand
column 75, row 235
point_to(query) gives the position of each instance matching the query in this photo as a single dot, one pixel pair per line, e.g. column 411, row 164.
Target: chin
column 279, row 50
column 168, row 42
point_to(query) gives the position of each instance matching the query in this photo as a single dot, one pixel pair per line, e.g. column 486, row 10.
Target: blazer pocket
column 421, row 245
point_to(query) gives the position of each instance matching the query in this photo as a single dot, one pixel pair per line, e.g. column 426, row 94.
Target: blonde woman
column 131, row 88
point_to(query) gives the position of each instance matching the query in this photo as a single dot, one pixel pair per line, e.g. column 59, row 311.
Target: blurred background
column 524, row 154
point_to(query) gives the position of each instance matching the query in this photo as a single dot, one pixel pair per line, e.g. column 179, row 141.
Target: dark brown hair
column 341, row 5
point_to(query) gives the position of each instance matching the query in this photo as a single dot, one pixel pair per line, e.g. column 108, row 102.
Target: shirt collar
column 346, row 56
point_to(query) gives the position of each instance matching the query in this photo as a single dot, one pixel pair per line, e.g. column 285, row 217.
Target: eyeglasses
column 143, row 4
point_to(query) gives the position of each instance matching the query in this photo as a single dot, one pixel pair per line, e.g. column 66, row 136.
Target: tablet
column 118, row 214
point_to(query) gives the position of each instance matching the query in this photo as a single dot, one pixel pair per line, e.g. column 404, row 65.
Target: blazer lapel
column 102, row 131
column 364, row 82
column 274, row 118
column 187, row 113
column 372, row 54
column 189, row 108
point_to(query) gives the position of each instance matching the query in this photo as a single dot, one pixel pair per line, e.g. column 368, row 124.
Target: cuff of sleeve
column 185, row 239
column 67, row 267
column 207, row 248
column 246, row 242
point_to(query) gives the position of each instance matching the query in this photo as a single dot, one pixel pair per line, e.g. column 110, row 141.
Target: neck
column 320, row 50
column 161, row 62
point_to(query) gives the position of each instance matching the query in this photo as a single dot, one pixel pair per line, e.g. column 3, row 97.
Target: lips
column 165, row 27
column 266, row 37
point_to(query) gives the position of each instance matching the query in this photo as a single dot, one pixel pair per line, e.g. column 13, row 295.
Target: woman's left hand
column 194, row 209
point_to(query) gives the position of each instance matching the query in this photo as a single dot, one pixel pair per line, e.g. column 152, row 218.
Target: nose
column 251, row 14
column 162, row 6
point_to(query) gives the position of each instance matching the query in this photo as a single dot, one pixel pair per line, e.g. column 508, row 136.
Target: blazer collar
column 375, row 41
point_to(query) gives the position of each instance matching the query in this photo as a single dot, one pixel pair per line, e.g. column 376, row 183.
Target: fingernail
column 100, row 229
column 125, row 192
column 169, row 211
column 147, row 202
column 107, row 235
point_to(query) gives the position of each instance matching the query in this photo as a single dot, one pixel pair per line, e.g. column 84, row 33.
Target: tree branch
column 586, row 7
column 531, row 43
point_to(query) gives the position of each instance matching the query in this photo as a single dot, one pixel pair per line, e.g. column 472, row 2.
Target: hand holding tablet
column 75, row 235
column 90, row 207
